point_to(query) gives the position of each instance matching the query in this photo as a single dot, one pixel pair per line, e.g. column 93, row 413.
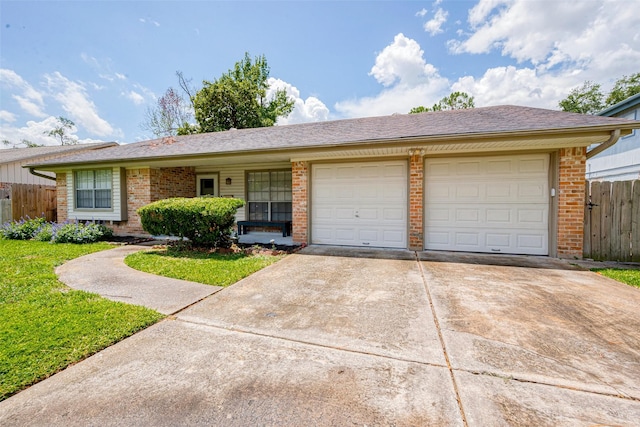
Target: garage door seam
column 441, row 338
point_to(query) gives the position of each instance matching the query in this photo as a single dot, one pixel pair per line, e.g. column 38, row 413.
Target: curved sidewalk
column 105, row 273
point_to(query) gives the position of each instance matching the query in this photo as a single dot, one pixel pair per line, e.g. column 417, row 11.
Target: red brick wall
column 571, row 202
column 416, row 193
column 300, row 176
column 61, row 196
column 147, row 185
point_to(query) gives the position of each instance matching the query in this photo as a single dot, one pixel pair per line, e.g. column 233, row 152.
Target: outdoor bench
column 285, row 226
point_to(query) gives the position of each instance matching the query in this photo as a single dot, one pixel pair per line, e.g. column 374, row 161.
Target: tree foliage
column 170, row 113
column 623, row 89
column 454, row 101
column 24, row 142
column 62, row 131
column 238, row 99
column 589, row 98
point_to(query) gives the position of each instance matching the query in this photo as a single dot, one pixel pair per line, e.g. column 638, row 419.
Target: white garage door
column 488, row 204
column 359, row 204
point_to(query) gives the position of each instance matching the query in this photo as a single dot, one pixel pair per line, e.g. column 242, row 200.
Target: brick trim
column 300, row 200
column 571, row 202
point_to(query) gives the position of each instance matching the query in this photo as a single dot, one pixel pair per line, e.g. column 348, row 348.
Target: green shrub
column 205, row 221
column 24, row 229
column 41, row 230
column 77, row 232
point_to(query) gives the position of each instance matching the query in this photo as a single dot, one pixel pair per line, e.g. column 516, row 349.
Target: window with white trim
column 269, row 195
column 93, row 189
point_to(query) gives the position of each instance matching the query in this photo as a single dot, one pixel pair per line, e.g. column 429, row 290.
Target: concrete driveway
column 333, row 336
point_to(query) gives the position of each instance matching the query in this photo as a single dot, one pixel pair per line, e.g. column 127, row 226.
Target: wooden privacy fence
column 31, row 200
column 612, row 221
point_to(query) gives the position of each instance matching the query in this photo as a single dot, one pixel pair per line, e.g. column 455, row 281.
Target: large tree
column 589, row 98
column 238, row 99
column 454, row 101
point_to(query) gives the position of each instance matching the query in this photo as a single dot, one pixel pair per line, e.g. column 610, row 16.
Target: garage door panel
column 492, row 204
column 374, row 209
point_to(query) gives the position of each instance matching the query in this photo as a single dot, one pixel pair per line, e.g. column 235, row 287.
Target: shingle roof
column 372, row 130
column 9, row 155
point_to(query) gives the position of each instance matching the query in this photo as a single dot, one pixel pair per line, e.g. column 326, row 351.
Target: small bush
column 206, row 221
column 24, row 229
column 80, row 233
column 41, row 230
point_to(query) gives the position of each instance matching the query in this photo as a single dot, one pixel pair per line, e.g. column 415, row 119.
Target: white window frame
column 216, row 183
column 94, row 189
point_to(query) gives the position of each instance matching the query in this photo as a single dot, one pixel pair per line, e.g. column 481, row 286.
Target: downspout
column 615, row 135
column 32, row 171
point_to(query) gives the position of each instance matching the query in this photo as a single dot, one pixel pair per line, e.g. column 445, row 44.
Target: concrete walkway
column 335, row 336
column 105, row 273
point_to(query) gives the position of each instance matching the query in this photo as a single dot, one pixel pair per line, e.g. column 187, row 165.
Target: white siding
column 113, row 214
column 238, row 179
column 14, row 173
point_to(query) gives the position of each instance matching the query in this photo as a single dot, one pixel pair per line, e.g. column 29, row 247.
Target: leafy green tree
column 454, row 101
column 62, row 131
column 623, row 89
column 238, row 99
column 586, row 99
column 589, row 98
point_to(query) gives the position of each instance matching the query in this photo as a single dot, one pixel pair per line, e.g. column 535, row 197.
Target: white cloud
column 304, row 110
column 434, row 25
column 7, row 116
column 121, row 76
column 74, row 99
column 407, row 78
column 29, row 99
column 601, row 42
column 542, row 33
column 135, row 97
column 421, row 13
column 35, row 132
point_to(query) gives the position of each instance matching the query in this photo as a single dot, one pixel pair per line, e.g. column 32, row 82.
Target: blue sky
column 103, row 63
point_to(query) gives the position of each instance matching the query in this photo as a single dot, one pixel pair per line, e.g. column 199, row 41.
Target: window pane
column 259, row 211
column 84, row 180
column 84, row 199
column 103, row 179
column 103, row 198
column 281, row 211
column 207, row 186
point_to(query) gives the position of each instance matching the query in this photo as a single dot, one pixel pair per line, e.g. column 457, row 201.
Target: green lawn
column 201, row 267
column 44, row 325
column 630, row 277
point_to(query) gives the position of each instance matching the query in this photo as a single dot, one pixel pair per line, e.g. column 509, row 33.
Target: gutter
column 32, row 171
column 615, row 135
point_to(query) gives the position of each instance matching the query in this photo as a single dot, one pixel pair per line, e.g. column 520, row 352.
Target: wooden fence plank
column 635, row 222
column 615, row 241
column 586, row 241
column 596, row 220
column 605, row 220
column 626, row 204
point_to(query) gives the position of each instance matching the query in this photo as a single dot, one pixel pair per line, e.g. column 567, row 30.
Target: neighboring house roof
column 10, row 155
column 484, row 122
column 621, row 107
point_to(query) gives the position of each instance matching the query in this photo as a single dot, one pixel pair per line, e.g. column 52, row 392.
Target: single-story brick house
column 504, row 179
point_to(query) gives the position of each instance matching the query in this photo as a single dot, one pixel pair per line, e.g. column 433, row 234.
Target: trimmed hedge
column 205, row 221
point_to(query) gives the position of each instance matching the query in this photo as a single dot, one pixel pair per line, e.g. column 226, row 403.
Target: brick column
column 416, row 208
column 571, row 202
column 299, row 190
column 61, row 197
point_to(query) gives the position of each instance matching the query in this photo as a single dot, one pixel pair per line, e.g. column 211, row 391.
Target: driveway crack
column 441, row 338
